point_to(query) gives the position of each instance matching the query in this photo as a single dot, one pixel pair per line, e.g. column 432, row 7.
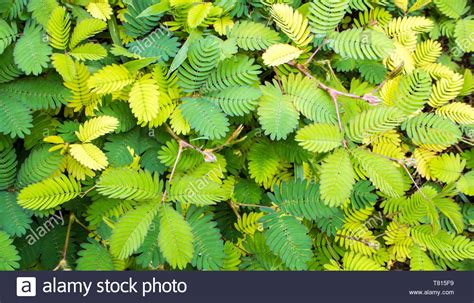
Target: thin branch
column 336, row 104
column 173, row 170
column 63, row 262
column 277, row 76
column 88, row 191
column 234, row 209
column 316, row 51
column 253, row 205
column 231, row 140
column 390, row 76
column 402, row 163
column 363, row 241
column 178, row 156
column 207, row 154
column 411, row 177
column 458, row 148
column 371, row 99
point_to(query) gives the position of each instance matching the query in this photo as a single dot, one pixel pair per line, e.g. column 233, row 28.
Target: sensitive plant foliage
column 236, row 135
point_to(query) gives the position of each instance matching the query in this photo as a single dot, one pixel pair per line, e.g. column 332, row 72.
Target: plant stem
column 371, row 99
column 231, row 140
column 234, row 209
column 88, row 191
column 315, row 52
column 253, row 205
column 336, row 104
column 402, row 163
column 63, row 262
column 207, row 153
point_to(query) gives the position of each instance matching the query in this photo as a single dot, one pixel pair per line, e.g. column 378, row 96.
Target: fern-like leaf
column 427, row 52
column 45, row 93
column 446, row 90
column 215, row 124
column 126, row 183
column 32, row 54
column 89, row 51
column 288, row 239
column 208, row 245
column 175, row 238
column 100, row 9
column 9, row 257
column 96, row 127
column 276, row 112
column 232, row 72
column 202, row 59
column 94, row 256
column 325, row 15
column 452, row 9
column 413, row 92
column 58, row 28
column 110, row 79
column 381, row 171
column 431, row 129
column 292, row 23
column 39, row 165
column 237, row 100
column 262, row 165
column 49, row 193
column 8, row 163
column 375, row 120
column 312, row 102
column 458, row 112
column 8, row 34
column 356, row 262
column 279, row 54
column 14, row 220
column 89, row 155
column 319, row 137
column 447, row 167
column 253, row 35
column 85, row 29
column 144, row 97
column 130, row 231
column 337, row 178
column 16, row 118
column 362, row 44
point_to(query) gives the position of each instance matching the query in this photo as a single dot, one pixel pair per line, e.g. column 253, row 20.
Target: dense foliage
column 236, row 135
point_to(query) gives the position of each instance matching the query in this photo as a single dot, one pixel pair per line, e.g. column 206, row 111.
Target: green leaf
column 127, row 183
column 13, row 219
column 362, row 44
column 49, row 193
column 319, row 137
column 94, row 257
column 289, row 239
column 276, row 112
column 131, row 229
column 381, row 171
column 208, row 245
column 337, row 178
column 31, row 53
column 8, row 34
column 9, row 257
column 214, row 126
column 175, row 238
column 253, row 36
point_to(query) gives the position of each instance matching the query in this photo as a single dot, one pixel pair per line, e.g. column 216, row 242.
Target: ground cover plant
column 236, row 135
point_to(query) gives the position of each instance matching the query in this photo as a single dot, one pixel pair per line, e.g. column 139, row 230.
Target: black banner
column 158, row 286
